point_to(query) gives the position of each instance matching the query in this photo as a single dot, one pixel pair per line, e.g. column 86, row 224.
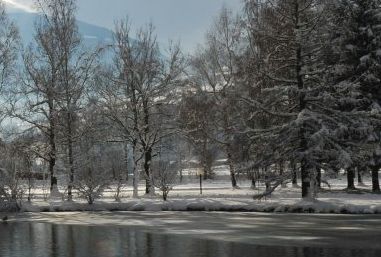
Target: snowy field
column 218, row 195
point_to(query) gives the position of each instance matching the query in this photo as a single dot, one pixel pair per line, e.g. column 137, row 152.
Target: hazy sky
column 187, row 20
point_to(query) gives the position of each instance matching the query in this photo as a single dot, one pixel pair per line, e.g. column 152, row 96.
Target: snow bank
column 219, row 196
column 226, row 205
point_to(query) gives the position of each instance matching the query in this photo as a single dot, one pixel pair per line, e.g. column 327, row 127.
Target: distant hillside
column 92, row 34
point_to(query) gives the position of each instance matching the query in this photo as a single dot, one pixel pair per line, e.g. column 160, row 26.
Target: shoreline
column 207, row 205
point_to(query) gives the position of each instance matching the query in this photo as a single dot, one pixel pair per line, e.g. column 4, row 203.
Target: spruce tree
column 355, row 40
column 304, row 122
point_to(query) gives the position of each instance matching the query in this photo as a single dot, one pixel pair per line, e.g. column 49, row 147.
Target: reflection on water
column 45, row 240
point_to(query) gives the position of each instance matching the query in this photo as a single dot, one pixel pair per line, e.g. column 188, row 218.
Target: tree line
column 282, row 89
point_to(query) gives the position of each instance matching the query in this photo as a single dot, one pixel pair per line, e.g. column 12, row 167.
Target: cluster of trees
column 285, row 87
column 316, row 69
column 292, row 86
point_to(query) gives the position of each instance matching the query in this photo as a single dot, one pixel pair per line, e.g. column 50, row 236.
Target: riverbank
column 217, row 195
column 338, row 203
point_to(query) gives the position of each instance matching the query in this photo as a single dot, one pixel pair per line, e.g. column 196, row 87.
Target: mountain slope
column 92, row 34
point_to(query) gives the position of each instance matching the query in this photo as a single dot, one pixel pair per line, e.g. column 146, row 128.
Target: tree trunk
column 204, row 162
column 52, row 158
column 118, row 186
column 294, row 178
column 306, row 182
column 90, row 200
column 181, row 167
column 29, row 187
column 294, row 174
column 351, row 178
column 359, row 176
column 147, row 149
column 281, row 172
column 125, row 148
column 228, row 148
column 267, row 182
column 71, row 157
column 53, row 179
column 318, row 177
column 231, row 169
column 253, row 183
column 375, row 179
column 135, row 170
column 304, row 166
column 147, row 170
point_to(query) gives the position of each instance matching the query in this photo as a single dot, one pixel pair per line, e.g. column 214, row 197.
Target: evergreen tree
column 355, row 40
column 303, row 123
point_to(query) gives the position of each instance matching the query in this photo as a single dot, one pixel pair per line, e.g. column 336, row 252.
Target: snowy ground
column 219, row 196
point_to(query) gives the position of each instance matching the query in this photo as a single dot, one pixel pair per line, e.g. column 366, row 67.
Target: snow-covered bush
column 92, row 176
column 91, row 182
column 165, row 176
column 115, row 161
column 11, row 165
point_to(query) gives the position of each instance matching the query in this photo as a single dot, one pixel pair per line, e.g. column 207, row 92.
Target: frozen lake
column 176, row 234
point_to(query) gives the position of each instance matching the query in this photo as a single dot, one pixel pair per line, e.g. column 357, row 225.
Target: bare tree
column 196, row 121
column 74, row 72
column 51, row 92
column 141, row 89
column 216, row 68
column 10, row 42
column 35, row 102
column 10, row 190
column 9, row 46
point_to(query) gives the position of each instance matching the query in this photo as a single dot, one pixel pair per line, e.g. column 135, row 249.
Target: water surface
column 31, row 239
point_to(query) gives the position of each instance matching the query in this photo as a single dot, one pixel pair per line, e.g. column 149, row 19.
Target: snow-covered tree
column 355, row 60
column 297, row 121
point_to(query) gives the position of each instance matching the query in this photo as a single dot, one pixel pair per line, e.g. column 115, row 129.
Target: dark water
column 44, row 239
